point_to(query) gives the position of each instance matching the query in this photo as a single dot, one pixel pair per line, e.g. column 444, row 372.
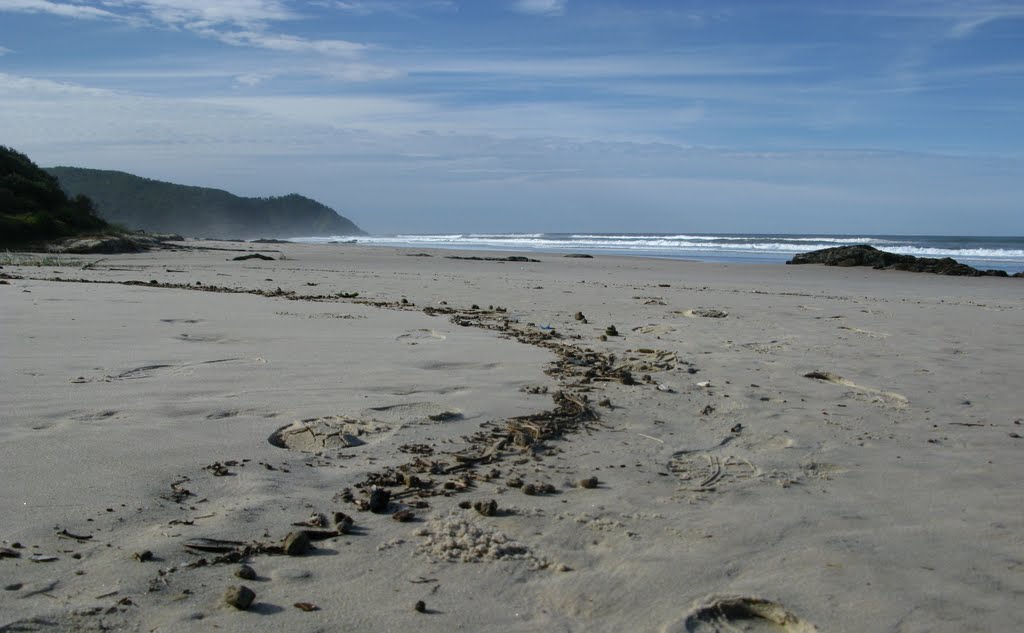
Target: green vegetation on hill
column 163, row 207
column 33, row 207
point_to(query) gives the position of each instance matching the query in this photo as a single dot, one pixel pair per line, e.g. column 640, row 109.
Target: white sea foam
column 746, row 247
column 975, row 253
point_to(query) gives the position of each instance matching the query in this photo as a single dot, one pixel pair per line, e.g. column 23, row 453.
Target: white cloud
column 56, row 8
column 359, row 72
column 234, row 22
column 698, row 63
column 14, row 86
column 396, row 164
column 5, row 51
column 964, row 18
column 284, row 43
column 252, row 79
column 965, row 28
column 404, row 8
column 200, row 13
column 541, row 7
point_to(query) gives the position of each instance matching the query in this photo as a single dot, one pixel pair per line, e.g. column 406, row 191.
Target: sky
column 453, row 116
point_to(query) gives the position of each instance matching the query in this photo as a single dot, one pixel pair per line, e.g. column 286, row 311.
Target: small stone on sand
column 343, row 522
column 380, row 498
column 488, row 507
column 403, row 516
column 296, row 543
column 239, row 597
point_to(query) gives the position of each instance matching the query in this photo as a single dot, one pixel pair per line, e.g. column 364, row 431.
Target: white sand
column 884, row 495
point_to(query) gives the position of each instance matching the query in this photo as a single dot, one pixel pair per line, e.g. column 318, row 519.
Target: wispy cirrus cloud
column 247, row 23
column 403, row 8
column 282, row 42
column 961, row 18
column 62, row 9
column 540, row 7
column 197, row 14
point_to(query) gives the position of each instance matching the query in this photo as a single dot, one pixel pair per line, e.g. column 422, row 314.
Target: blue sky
column 542, row 115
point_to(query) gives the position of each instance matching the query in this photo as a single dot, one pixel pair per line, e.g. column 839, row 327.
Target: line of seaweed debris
column 520, row 439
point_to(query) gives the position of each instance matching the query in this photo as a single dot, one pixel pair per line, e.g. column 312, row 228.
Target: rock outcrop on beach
column 864, row 255
column 162, row 207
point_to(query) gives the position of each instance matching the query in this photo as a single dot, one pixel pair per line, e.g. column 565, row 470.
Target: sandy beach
column 669, row 446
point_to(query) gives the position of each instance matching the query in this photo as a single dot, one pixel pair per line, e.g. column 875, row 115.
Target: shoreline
column 983, row 252
column 752, row 453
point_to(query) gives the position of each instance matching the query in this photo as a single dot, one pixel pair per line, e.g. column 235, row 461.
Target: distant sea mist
column 1002, row 253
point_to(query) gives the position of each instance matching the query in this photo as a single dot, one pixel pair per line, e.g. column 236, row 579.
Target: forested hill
column 34, row 208
column 163, row 207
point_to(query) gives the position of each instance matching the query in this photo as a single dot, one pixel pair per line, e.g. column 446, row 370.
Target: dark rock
column 296, row 543
column 343, row 522
column 143, row 556
column 246, row 573
column 864, row 255
column 379, row 500
column 239, row 597
column 488, row 507
column 511, row 258
column 611, row 331
column 420, row 606
column 579, row 256
column 403, row 516
column 589, row 482
column 241, row 258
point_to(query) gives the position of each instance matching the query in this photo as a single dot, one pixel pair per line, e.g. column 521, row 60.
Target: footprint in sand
column 334, row 432
column 704, row 471
column 415, row 337
column 151, row 371
column 867, row 333
column 222, row 415
column 738, row 613
column 94, row 417
column 648, row 360
column 412, row 412
column 707, row 313
column 145, row 371
column 876, row 396
column 202, row 338
column 655, row 328
column 769, row 347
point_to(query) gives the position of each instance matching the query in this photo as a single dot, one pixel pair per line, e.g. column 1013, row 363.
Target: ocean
column 1002, row 253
